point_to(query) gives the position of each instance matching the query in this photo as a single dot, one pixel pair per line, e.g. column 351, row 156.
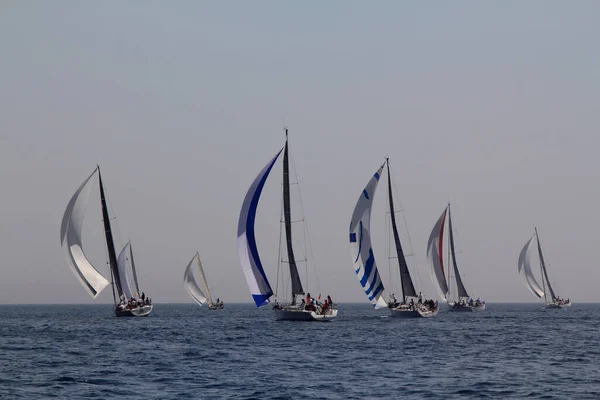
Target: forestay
column 525, row 271
column 70, row 237
column 435, row 255
column 360, row 244
column 461, row 290
column 191, row 285
column 247, row 250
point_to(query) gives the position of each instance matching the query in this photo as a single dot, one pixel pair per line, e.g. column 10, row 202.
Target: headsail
column 247, row 250
column 191, row 285
column 70, row 238
column 525, row 271
column 408, row 289
column 287, row 214
column 434, row 253
column 123, row 275
column 462, row 292
column 203, row 279
column 360, row 244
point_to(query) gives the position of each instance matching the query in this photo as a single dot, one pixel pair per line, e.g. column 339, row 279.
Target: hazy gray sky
column 490, row 105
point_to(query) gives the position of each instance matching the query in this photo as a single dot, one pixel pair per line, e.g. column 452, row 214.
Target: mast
column 460, row 287
column 408, row 289
column 287, row 214
column 543, row 268
column 112, row 255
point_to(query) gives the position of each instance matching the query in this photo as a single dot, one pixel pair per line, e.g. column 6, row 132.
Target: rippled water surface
column 183, row 351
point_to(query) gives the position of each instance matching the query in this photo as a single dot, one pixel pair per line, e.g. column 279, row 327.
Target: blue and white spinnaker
column 360, row 244
column 247, row 250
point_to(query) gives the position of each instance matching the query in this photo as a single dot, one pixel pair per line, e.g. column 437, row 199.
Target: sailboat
column 524, row 265
column 126, row 298
column 309, row 310
column 462, row 300
column 194, row 290
column 363, row 258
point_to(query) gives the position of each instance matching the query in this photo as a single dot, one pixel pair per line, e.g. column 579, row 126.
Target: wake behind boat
column 365, row 266
column 310, row 309
column 461, row 301
column 194, row 290
column 127, row 301
column 551, row 300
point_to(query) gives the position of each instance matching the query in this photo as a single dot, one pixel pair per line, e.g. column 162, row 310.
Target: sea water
column 182, row 351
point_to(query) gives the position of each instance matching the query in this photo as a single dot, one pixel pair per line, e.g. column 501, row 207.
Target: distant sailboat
column 88, row 276
column 194, row 290
column 363, row 258
column 460, row 300
column 524, row 265
column 252, row 265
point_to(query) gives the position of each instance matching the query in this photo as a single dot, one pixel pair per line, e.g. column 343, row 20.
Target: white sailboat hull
column 417, row 312
column 135, row 312
column 557, row 306
column 297, row 314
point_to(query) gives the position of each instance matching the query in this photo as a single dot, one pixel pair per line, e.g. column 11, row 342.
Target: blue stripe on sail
column 377, row 291
column 261, row 299
column 353, row 237
column 366, row 194
column 368, row 268
column 377, row 175
column 359, row 241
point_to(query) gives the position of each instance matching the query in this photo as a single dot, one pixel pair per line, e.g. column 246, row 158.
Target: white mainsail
column 203, row 279
column 70, row 237
column 361, row 251
column 525, row 271
column 434, row 253
column 123, row 272
column 191, row 285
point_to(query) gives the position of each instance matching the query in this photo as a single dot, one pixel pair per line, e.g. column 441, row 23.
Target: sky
column 492, row 106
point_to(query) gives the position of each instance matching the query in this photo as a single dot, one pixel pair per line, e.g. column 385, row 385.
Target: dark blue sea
column 182, row 351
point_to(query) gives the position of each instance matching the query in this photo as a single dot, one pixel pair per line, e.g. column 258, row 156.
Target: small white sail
column 361, row 251
column 123, row 272
column 70, row 238
column 191, row 285
column 435, row 255
column 203, row 279
column 525, row 271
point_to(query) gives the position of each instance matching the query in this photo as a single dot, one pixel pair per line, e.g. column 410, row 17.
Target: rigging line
column 306, row 235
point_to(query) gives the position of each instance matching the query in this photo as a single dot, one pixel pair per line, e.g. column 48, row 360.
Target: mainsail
column 360, row 244
column 70, row 237
column 191, row 285
column 110, row 245
column 434, row 253
column 408, row 289
column 462, row 292
column 135, row 279
column 287, row 213
column 123, row 275
column 525, row 271
column 247, row 250
column 203, row 279
column 543, row 266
